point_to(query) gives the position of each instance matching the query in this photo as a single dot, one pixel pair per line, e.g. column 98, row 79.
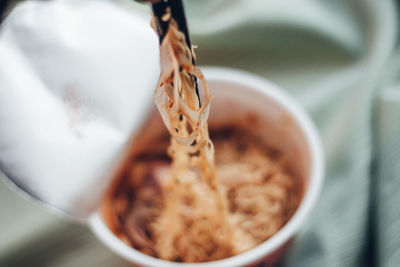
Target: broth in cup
column 259, row 191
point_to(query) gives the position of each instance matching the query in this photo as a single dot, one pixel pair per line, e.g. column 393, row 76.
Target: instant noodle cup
column 265, row 111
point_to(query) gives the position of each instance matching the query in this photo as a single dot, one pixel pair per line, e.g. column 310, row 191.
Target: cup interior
column 250, row 103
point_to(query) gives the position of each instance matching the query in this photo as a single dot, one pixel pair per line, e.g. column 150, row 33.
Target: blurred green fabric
column 339, row 60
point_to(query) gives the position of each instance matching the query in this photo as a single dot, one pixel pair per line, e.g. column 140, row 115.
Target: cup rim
column 255, row 83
